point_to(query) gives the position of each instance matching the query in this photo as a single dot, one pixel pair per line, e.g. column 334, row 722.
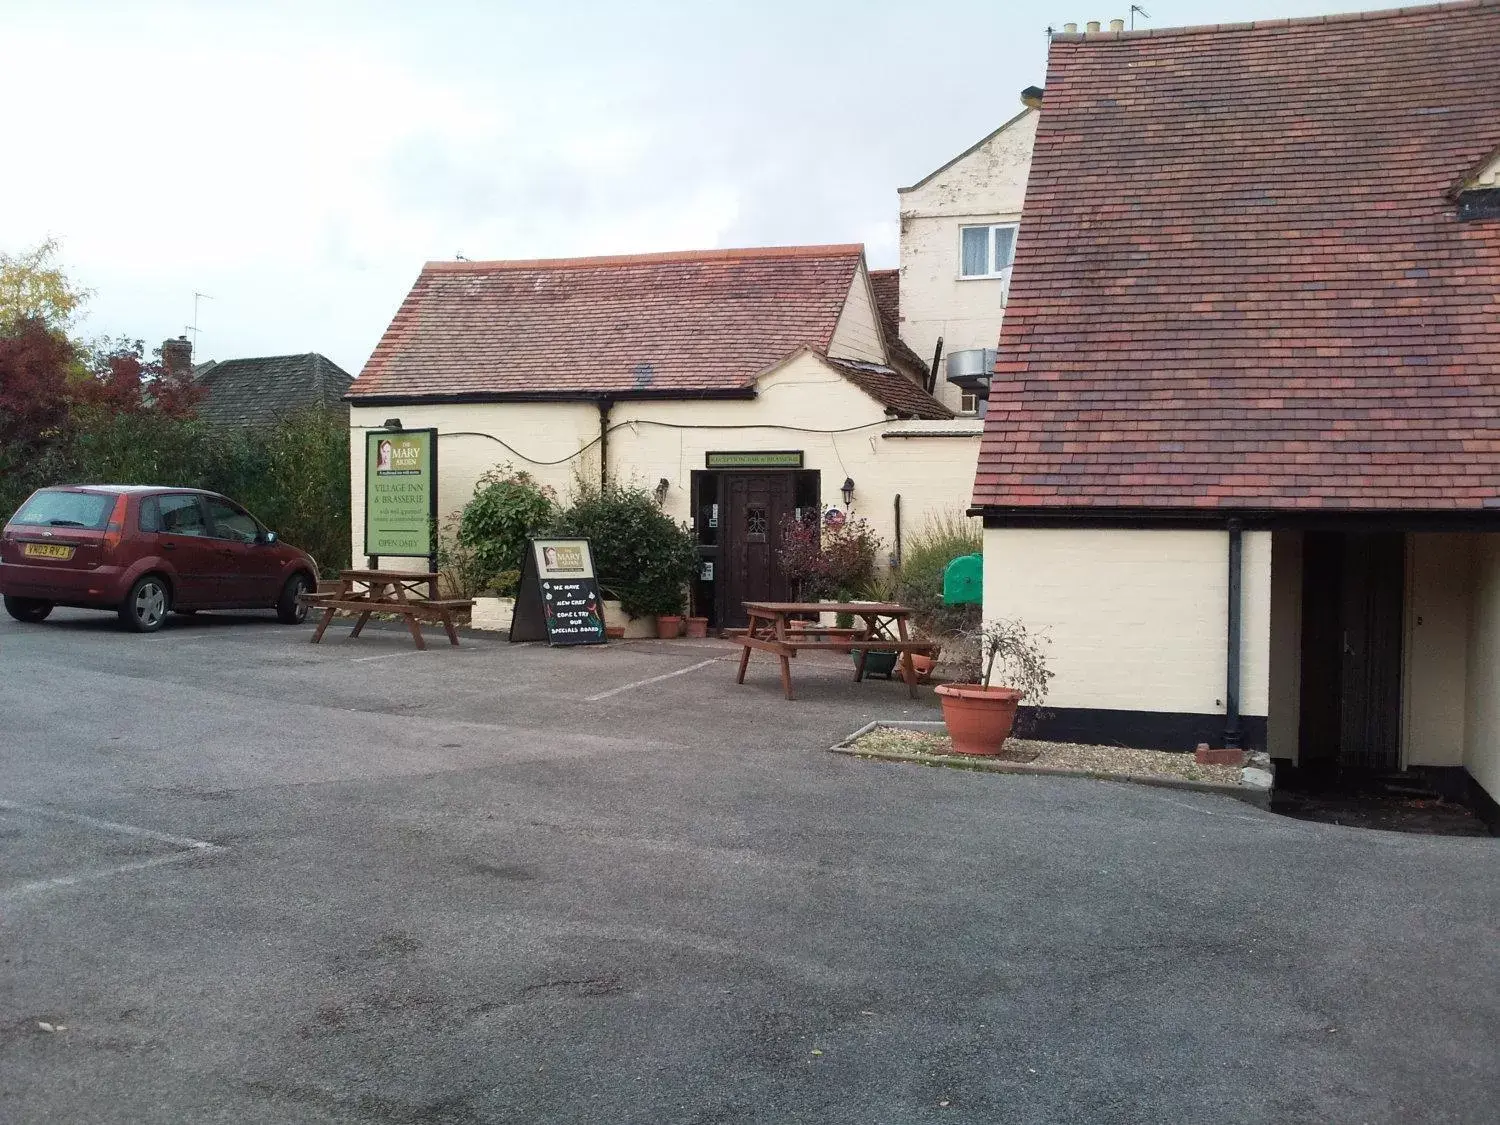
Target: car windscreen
column 55, row 508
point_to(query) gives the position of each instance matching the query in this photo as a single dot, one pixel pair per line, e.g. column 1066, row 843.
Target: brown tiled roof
column 651, row 324
column 1241, row 282
column 891, row 388
column 887, row 287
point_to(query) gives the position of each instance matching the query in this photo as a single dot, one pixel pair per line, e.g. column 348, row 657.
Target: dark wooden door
column 1353, row 596
column 1374, row 597
column 750, row 536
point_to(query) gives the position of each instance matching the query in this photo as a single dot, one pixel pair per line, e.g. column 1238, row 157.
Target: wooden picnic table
column 778, row 628
column 410, row 596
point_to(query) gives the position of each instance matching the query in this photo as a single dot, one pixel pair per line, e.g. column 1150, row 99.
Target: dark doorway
column 738, row 518
column 1353, row 598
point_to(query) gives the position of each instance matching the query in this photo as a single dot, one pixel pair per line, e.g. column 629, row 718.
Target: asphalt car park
column 250, row 879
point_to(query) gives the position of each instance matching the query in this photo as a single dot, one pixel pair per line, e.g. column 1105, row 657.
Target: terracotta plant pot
column 923, row 665
column 668, row 624
column 697, row 627
column 614, row 632
column 979, row 719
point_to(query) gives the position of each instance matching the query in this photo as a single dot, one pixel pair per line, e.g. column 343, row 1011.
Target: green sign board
column 400, row 492
column 756, row 459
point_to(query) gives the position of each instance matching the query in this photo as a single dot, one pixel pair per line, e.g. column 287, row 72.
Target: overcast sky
column 299, row 161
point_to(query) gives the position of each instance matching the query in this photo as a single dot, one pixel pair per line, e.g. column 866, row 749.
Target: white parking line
column 107, row 825
column 20, row 890
column 190, row 848
column 652, row 680
column 387, row 656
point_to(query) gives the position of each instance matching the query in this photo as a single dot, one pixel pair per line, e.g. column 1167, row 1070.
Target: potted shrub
column 641, row 555
column 980, row 716
column 697, row 627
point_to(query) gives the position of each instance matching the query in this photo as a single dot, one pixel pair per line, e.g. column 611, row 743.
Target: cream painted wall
column 1482, row 715
column 1285, row 672
column 857, row 333
column 1138, row 619
column 668, row 440
column 1435, row 648
column 986, row 185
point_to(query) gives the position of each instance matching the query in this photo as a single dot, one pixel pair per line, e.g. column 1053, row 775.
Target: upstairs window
column 987, row 251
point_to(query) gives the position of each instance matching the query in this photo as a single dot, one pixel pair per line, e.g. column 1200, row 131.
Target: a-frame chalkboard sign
column 558, row 600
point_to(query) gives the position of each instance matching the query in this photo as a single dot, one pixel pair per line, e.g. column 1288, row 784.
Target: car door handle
column 169, row 546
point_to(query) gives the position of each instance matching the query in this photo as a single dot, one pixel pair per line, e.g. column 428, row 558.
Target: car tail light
column 115, row 529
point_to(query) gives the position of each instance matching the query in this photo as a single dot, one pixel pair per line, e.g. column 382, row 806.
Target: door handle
column 169, row 546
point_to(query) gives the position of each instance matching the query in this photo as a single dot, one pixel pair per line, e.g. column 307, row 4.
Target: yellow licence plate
column 46, row 551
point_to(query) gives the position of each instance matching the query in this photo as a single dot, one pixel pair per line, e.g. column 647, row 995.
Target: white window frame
column 1004, row 271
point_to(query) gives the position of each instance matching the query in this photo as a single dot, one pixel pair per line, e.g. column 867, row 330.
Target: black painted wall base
column 1145, row 730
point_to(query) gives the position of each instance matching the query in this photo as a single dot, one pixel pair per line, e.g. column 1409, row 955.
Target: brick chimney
column 177, row 358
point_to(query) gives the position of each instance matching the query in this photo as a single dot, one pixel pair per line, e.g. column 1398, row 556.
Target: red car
column 144, row 552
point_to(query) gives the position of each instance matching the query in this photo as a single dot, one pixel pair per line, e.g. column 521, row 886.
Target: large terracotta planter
column 979, row 719
column 697, row 627
column 668, row 624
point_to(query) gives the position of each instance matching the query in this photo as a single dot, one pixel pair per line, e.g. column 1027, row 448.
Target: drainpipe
column 605, row 405
column 1232, row 664
column 932, row 376
column 898, row 529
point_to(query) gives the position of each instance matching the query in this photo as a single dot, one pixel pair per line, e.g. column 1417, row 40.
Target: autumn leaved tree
column 33, row 287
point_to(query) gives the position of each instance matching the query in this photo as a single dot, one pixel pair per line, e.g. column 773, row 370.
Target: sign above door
column 755, row 459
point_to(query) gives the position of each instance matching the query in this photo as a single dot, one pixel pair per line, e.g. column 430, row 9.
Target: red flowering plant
column 827, row 562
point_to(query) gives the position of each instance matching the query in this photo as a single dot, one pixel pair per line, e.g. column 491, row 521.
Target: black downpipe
column 605, row 405
column 1232, row 664
column 932, row 376
column 898, row 529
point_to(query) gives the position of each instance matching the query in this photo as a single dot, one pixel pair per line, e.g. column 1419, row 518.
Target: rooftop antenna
column 1136, row 9
column 197, row 296
column 459, row 257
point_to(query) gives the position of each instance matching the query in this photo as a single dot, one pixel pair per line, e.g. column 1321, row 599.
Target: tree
column 34, row 287
column 120, row 380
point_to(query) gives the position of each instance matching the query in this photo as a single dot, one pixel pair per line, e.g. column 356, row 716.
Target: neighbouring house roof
column 1241, row 282
column 891, row 388
column 650, row 325
column 241, row 392
column 886, row 284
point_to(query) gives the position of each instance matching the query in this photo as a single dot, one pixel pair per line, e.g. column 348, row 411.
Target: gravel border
column 1254, row 786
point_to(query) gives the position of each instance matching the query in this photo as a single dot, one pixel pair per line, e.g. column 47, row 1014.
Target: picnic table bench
column 365, row 592
column 775, row 627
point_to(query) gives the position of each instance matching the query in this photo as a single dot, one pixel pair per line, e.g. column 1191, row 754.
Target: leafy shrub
column 827, row 561
column 919, row 579
column 508, row 508
column 640, row 555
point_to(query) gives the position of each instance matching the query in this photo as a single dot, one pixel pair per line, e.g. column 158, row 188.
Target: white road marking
column 108, row 825
column 23, row 889
column 190, row 848
column 652, row 680
column 387, row 656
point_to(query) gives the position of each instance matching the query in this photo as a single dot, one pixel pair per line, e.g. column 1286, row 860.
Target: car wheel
column 145, row 607
column 290, row 608
column 29, row 610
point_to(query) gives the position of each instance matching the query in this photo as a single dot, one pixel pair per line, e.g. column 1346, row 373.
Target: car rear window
column 50, row 508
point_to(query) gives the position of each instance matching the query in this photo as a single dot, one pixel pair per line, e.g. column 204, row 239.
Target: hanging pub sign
column 400, row 492
column 558, row 600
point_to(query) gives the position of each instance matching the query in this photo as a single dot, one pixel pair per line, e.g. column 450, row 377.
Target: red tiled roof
column 651, row 324
column 1240, row 281
column 891, row 388
column 886, row 285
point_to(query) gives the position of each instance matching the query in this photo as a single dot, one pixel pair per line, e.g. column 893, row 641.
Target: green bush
column 641, row 556
column 508, row 508
column 919, row 580
column 294, row 475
